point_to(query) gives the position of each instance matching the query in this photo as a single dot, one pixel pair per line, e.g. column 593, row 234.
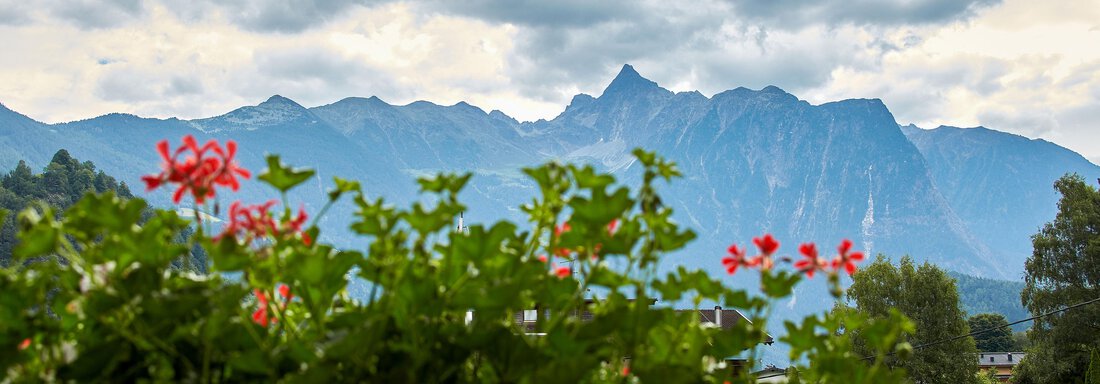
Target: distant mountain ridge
column 754, row 161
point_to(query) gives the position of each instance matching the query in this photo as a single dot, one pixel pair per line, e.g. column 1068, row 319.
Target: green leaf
column 342, row 187
column 444, row 182
column 283, row 177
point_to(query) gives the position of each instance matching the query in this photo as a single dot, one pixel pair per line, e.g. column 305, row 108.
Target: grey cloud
column 180, row 85
column 549, row 60
column 284, row 16
column 311, row 75
column 14, row 12
column 126, row 86
column 92, row 14
column 570, row 13
column 1030, row 123
column 793, row 14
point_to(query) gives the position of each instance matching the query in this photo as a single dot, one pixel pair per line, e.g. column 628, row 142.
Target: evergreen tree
column 927, row 295
column 996, row 340
column 1063, row 270
column 64, row 181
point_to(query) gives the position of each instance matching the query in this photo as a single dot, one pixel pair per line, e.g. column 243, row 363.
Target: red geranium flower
column 563, row 228
column 563, row 272
column 812, row 262
column 254, row 221
column 735, row 259
column 196, row 173
column 846, row 259
column 767, row 244
column 284, row 291
column 260, row 316
column 26, row 343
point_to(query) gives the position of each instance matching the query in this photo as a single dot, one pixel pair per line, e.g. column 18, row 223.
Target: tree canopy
column 64, row 181
column 995, row 340
column 927, row 295
column 1063, row 270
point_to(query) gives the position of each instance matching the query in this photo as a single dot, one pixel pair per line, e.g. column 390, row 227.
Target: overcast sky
column 1027, row 67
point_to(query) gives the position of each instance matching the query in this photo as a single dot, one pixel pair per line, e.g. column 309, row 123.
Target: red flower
column 845, row 258
column 284, row 291
column 563, row 228
column 613, row 226
column 626, row 370
column 812, row 262
column 560, row 229
column 767, row 244
column 735, row 259
column 260, row 316
column 542, row 258
column 196, row 173
column 563, row 272
column 254, row 221
column 26, row 343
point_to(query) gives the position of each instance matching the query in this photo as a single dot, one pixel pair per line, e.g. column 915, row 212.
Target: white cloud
column 1034, row 76
column 1021, row 66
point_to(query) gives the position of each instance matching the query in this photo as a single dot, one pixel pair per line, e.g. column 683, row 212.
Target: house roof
column 999, row 359
column 729, row 318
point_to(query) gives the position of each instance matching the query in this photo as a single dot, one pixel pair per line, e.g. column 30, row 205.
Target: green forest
column 980, row 295
column 64, row 181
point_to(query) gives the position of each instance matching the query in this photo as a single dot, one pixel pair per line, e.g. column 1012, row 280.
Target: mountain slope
column 998, row 183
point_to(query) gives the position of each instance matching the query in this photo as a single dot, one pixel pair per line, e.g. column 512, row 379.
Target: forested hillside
column 64, row 181
column 981, row 295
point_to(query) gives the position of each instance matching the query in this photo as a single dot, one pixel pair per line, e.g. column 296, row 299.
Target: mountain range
column 754, row 161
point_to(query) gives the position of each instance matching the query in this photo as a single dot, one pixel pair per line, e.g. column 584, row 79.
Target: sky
column 1026, row 67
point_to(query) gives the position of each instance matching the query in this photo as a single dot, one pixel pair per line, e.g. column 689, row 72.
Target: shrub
column 111, row 306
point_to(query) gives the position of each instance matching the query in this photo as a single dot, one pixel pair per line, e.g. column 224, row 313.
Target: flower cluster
column 810, row 263
column 254, row 221
column 736, row 256
column 262, row 316
column 197, row 172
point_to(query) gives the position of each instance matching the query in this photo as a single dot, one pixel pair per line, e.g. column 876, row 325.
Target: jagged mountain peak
column 580, row 100
column 629, row 80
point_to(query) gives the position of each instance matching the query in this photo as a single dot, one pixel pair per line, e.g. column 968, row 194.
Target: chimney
column 460, row 222
column 718, row 315
column 1010, row 356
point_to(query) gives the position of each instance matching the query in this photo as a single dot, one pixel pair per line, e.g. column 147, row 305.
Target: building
column 1000, row 362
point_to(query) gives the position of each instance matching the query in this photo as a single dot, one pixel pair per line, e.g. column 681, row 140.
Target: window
column 530, row 315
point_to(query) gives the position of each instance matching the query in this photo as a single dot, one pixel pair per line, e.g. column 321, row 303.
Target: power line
column 941, row 341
